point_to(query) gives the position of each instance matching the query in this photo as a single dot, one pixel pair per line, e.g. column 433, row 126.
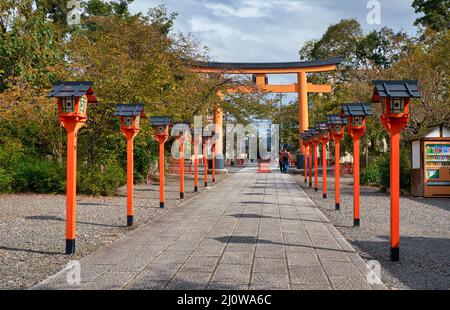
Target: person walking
column 280, row 160
column 286, row 159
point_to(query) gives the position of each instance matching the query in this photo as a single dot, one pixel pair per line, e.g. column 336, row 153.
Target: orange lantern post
column 130, row 116
column 310, row 157
column 161, row 126
column 337, row 126
column 356, row 114
column 181, row 136
column 73, row 99
column 213, row 162
column 304, row 136
column 205, row 141
column 324, row 138
column 212, row 141
column 315, row 141
column 395, row 97
column 196, row 137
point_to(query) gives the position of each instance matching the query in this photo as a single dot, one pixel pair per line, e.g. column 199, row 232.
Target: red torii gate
column 260, row 72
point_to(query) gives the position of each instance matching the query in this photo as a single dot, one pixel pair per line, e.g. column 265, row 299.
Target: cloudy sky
column 271, row 30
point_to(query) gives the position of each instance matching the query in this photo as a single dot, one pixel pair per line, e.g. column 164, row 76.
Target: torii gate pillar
column 302, row 108
column 218, row 122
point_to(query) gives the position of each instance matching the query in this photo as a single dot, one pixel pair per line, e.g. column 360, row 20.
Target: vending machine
column 430, row 174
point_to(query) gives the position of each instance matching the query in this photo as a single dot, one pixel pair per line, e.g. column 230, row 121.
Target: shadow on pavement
column 29, row 251
column 252, row 239
column 433, row 271
column 59, row 219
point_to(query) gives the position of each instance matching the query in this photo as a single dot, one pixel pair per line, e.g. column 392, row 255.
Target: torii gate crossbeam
column 260, row 70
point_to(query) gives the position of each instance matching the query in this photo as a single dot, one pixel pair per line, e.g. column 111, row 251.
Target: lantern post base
column 395, row 254
column 70, row 246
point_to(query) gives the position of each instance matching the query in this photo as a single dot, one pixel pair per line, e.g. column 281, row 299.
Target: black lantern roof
column 72, row 89
column 356, row 109
column 160, row 120
column 313, row 131
column 129, row 110
column 305, row 135
column 334, row 119
column 208, row 134
column 322, row 126
column 396, row 89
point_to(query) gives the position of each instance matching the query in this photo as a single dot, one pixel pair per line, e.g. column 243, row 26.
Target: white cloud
column 247, row 10
column 269, row 30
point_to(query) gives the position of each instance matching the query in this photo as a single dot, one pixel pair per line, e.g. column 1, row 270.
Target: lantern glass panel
column 138, row 120
column 160, row 129
column 83, row 104
column 337, row 128
column 68, row 104
column 357, row 120
column 397, row 105
column 128, row 121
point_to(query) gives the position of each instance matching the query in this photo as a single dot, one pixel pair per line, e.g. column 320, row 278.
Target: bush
column 91, row 181
column 379, row 172
column 6, row 181
column 371, row 175
column 38, row 176
column 405, row 170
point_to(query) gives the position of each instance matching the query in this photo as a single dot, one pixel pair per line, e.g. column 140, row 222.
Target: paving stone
column 270, row 265
column 269, row 280
column 189, row 281
column 232, row 273
column 237, row 257
column 349, row 283
column 340, row 269
column 302, row 260
column 227, row 286
column 200, row 264
column 308, row 275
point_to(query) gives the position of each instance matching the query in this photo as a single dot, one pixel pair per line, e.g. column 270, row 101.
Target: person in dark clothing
column 280, row 160
column 286, row 159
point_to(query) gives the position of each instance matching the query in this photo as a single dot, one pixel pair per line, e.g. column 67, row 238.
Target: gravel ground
column 425, row 233
column 32, row 227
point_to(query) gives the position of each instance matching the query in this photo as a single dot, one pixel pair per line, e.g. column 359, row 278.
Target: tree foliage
column 436, row 14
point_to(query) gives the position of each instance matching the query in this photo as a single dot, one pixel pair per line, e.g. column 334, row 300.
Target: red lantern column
column 316, row 167
column 337, row 170
column 181, row 168
column 72, row 128
column 196, row 143
column 213, row 162
column 394, row 126
column 356, row 134
column 324, row 167
column 205, row 162
column 161, row 140
column 130, row 135
column 305, row 165
column 310, row 158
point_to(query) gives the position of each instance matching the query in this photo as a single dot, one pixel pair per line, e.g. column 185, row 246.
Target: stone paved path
column 251, row 231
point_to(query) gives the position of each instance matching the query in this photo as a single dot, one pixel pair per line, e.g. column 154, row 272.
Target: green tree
column 436, row 14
